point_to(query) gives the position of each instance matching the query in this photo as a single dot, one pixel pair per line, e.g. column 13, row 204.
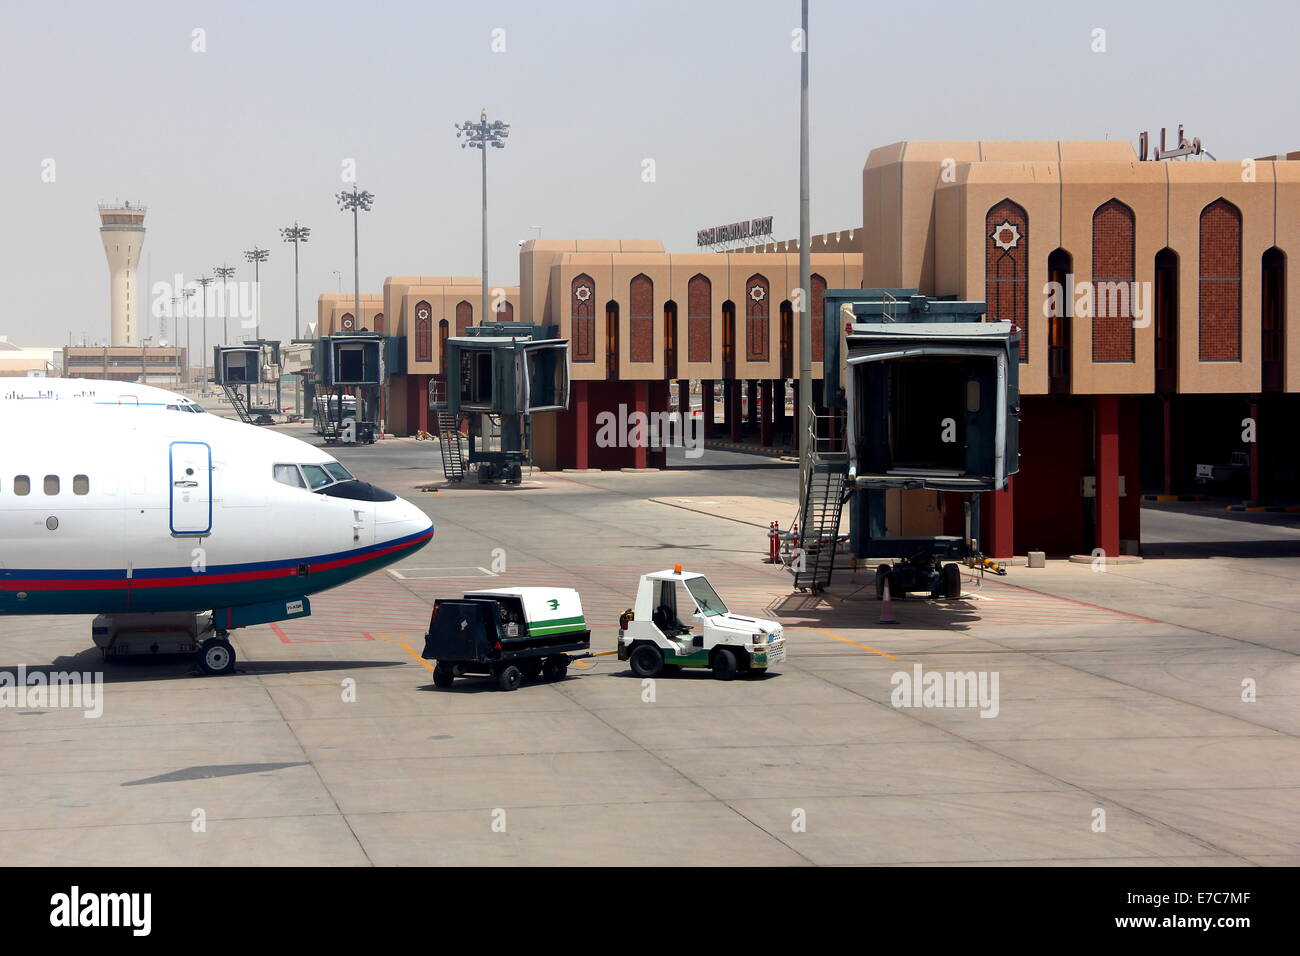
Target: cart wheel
column 882, row 573
column 510, row 678
column 216, row 656
column 951, row 582
column 555, row 668
column 443, row 675
column 530, row 668
column 723, row 664
column 646, row 660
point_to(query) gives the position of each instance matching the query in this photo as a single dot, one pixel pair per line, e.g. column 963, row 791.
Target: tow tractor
column 507, row 634
column 654, row 640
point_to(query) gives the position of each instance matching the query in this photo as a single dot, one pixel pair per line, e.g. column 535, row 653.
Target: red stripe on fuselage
column 199, row 578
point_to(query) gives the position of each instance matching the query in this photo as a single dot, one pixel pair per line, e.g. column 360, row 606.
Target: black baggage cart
column 488, row 637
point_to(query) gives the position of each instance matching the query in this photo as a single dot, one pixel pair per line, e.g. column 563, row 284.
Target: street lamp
column 356, row 202
column 480, row 136
column 257, row 256
column 186, row 294
column 295, row 234
column 225, row 274
column 805, row 417
column 204, row 282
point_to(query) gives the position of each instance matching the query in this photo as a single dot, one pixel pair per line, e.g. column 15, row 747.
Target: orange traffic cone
column 886, row 606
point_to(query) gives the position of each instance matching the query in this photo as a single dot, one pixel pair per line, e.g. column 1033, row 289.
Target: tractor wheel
column 443, row 675
column 531, row 669
column 646, row 660
column 723, row 664
column 951, row 582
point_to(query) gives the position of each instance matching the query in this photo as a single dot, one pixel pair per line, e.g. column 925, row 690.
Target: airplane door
column 190, row 478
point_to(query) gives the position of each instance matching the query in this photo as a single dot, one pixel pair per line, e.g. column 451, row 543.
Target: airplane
column 99, row 391
column 159, row 522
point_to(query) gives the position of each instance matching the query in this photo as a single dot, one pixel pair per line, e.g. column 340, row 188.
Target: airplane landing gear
column 216, row 655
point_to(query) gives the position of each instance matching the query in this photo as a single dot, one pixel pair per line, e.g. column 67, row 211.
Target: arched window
column 699, row 319
column 464, row 316
column 347, row 323
column 641, row 319
column 1006, row 255
column 758, row 316
column 1219, row 298
column 582, row 315
column 423, row 332
column 379, row 322
column 818, row 306
column 1113, row 287
column 507, row 312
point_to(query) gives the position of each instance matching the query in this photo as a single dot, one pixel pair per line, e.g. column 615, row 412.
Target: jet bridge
column 928, row 394
column 499, row 375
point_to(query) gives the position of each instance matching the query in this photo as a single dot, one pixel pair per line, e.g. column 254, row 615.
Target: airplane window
column 80, row 485
column 338, row 472
column 289, row 475
column 22, row 485
column 51, row 484
column 317, row 477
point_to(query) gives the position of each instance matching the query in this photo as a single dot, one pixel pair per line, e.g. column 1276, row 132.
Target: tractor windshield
column 707, row 598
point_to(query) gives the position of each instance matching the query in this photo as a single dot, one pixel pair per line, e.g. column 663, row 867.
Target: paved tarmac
column 1147, row 715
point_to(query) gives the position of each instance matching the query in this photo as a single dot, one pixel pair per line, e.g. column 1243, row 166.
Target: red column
column 422, row 400
column 1168, row 409
column 765, row 414
column 706, row 406
column 1255, row 495
column 733, row 408
column 641, row 403
column 581, row 424
column 1107, row 532
column 683, row 406
column 1001, row 522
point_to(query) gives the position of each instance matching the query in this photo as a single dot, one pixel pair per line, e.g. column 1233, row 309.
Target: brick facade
column 582, row 311
column 1219, row 286
column 641, row 319
column 1006, row 244
column 758, row 318
column 1113, row 271
column 699, row 319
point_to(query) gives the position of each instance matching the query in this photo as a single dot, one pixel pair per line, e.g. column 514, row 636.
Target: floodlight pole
column 805, row 419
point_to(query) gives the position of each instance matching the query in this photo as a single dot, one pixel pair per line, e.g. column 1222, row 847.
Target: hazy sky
column 226, row 146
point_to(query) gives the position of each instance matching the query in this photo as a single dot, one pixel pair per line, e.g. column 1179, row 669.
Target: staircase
column 452, row 445
column 819, row 523
column 237, row 403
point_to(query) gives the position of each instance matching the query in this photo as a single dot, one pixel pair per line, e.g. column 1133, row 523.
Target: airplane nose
column 399, row 519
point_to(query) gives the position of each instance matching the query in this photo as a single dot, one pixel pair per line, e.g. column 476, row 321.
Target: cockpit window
column 289, row 475
column 338, row 472
column 317, row 477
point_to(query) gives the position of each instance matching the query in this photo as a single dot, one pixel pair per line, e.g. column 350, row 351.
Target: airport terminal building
column 1158, row 325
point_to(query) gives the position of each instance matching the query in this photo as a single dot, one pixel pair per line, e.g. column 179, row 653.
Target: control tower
column 121, row 227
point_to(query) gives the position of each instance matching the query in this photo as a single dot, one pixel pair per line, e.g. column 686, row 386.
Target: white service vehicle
column 654, row 639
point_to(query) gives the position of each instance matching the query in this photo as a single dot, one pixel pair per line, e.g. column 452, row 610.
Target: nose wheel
column 217, row 656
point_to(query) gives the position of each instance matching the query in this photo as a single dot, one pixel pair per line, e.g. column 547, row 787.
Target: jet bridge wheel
column 216, row 656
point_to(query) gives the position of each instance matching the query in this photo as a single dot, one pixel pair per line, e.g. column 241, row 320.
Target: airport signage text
column 744, row 229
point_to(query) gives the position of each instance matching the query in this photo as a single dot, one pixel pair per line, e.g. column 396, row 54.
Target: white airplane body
column 109, row 511
column 96, row 391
